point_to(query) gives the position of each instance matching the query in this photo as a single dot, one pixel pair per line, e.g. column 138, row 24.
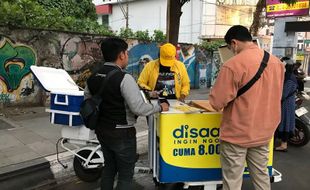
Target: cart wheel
column 301, row 135
column 85, row 174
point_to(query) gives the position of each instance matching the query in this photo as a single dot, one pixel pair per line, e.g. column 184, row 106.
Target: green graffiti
column 4, row 98
column 15, row 62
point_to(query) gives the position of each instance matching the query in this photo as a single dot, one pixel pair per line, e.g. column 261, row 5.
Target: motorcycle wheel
column 86, row 174
column 301, row 134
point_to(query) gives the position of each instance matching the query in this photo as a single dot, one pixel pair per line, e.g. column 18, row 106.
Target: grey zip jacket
column 135, row 104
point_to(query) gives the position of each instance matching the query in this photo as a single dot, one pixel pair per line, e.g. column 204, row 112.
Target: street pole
column 127, row 16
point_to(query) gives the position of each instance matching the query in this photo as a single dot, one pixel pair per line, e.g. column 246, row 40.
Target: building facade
column 201, row 19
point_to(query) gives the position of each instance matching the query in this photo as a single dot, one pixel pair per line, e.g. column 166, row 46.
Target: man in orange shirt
column 249, row 121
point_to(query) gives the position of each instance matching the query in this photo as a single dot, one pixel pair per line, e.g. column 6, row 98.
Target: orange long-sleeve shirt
column 251, row 119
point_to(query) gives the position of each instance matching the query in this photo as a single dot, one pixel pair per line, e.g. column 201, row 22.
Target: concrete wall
column 76, row 53
column 284, row 43
column 151, row 14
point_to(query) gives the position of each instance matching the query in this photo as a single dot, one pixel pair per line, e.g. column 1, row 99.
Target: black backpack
column 89, row 110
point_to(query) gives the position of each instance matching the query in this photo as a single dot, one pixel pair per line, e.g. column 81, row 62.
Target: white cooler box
column 78, row 133
column 66, row 97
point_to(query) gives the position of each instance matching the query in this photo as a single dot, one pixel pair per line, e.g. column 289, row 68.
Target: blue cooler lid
column 54, row 80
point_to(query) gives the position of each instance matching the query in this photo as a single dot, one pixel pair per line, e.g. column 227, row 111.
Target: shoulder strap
column 261, row 68
column 105, row 81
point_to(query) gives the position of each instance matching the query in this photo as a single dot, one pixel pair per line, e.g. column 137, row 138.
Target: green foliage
column 143, row 35
column 68, row 15
column 126, row 33
column 159, row 36
column 75, row 8
column 212, row 45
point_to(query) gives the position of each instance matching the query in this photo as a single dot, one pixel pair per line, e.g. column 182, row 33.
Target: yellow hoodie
column 148, row 77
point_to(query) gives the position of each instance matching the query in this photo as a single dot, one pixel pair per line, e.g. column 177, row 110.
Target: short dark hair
column 238, row 32
column 112, row 47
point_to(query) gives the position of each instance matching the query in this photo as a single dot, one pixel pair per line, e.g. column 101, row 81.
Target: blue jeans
column 119, row 149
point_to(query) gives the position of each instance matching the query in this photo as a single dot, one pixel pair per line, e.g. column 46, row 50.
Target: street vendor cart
column 185, row 147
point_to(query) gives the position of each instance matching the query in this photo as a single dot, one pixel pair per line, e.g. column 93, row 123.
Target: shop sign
column 191, row 140
column 274, row 8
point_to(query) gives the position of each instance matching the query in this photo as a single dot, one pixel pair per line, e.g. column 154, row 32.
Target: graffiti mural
column 187, row 55
column 15, row 77
column 15, row 62
column 216, row 64
column 205, row 67
column 139, row 55
column 79, row 55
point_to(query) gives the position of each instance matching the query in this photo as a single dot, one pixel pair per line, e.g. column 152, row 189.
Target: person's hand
column 182, row 98
column 164, row 106
column 153, row 94
column 209, row 108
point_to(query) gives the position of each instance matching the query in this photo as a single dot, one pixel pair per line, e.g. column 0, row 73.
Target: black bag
column 89, row 110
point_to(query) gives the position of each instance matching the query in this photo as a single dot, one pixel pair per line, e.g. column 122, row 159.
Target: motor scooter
column 301, row 135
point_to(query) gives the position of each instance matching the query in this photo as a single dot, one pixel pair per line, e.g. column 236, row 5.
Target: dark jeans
column 119, row 149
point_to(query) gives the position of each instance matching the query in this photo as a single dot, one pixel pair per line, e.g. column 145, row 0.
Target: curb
column 23, row 168
column 34, row 173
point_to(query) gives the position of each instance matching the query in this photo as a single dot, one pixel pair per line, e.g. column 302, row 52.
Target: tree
column 174, row 13
column 261, row 4
column 74, row 8
column 68, row 15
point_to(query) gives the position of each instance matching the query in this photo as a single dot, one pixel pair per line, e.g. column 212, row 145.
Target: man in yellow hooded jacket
column 165, row 77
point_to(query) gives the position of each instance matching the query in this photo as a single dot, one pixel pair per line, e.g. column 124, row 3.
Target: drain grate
column 5, row 125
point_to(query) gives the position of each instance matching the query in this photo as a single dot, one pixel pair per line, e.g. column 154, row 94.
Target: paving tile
column 16, row 150
column 25, row 136
column 7, row 140
column 22, row 157
column 43, row 128
column 43, row 148
column 4, row 161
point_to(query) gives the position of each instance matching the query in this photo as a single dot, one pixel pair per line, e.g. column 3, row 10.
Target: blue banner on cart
column 171, row 174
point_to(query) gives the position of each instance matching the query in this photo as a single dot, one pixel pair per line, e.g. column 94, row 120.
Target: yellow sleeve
column 143, row 79
column 185, row 88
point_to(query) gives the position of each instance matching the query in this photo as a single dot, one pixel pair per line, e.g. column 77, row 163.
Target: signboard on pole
column 274, row 8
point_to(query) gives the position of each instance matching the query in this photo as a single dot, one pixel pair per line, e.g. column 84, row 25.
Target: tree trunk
column 261, row 4
column 173, row 21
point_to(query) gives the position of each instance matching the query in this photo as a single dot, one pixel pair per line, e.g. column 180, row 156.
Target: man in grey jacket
column 122, row 103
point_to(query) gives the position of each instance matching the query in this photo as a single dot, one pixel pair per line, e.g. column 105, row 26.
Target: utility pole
column 125, row 12
column 127, row 16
